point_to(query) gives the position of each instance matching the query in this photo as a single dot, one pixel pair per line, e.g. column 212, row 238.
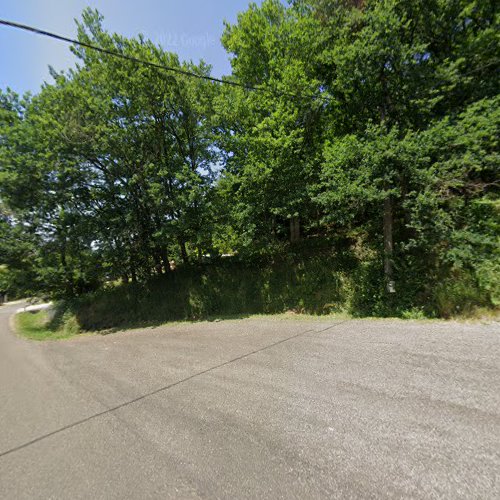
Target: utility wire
column 179, row 71
column 183, row 72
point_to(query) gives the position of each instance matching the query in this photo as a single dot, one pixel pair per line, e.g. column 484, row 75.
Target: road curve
column 253, row 408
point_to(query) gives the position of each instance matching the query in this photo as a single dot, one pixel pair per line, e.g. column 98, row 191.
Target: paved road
column 253, row 409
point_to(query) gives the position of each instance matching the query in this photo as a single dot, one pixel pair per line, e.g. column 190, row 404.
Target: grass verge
column 318, row 286
column 39, row 326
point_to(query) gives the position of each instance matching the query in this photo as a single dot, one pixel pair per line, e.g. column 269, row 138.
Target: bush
column 316, row 284
column 459, row 294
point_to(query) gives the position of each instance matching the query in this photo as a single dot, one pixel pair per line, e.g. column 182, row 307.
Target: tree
column 270, row 139
column 367, row 128
column 112, row 164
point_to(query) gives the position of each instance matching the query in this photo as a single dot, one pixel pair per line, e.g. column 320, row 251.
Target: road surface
column 253, row 408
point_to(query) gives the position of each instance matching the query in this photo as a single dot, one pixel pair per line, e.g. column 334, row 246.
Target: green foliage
column 315, row 286
column 379, row 124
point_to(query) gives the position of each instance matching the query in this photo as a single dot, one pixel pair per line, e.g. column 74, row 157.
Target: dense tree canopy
column 374, row 132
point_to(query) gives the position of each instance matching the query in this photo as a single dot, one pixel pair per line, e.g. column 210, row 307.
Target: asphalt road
column 254, row 408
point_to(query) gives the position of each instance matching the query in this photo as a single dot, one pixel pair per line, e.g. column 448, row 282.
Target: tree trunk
column 158, row 262
column 184, row 254
column 294, row 229
column 165, row 260
column 388, row 215
column 388, row 246
column 133, row 272
column 68, row 275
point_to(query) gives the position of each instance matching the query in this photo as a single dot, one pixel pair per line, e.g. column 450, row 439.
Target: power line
column 179, row 71
column 183, row 72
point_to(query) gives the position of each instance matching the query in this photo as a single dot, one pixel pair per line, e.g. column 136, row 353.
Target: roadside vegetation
column 40, row 325
column 364, row 180
column 315, row 286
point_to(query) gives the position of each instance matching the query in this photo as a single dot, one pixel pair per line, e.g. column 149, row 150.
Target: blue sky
column 192, row 28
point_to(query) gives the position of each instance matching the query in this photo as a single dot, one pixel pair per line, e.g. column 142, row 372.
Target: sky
column 192, row 28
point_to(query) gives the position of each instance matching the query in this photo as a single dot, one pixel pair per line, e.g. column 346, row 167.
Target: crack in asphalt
column 162, row 389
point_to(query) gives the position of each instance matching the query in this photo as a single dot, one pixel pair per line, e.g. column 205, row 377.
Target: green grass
column 64, row 325
column 226, row 290
column 320, row 285
column 38, row 326
column 327, row 285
